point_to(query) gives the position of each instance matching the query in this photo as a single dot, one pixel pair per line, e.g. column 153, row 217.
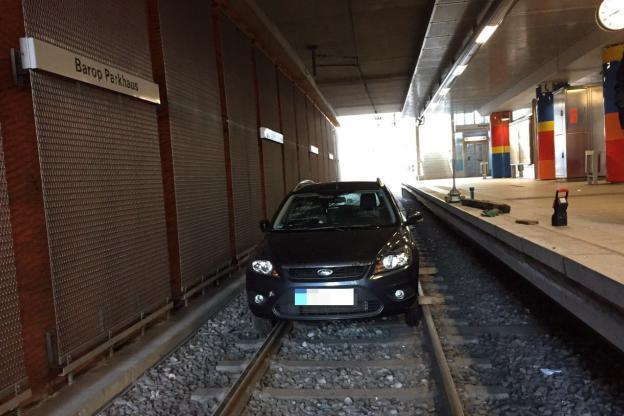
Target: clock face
column 610, row 15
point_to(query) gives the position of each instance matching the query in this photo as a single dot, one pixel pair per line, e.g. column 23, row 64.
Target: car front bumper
column 374, row 296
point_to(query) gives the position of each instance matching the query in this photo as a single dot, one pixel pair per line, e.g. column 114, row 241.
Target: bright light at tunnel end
column 486, row 34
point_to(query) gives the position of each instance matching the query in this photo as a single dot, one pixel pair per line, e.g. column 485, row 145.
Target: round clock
column 610, row 15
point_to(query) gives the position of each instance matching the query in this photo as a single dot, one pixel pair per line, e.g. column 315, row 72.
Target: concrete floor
column 594, row 236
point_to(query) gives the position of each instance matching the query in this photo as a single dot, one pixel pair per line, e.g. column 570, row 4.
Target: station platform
column 581, row 265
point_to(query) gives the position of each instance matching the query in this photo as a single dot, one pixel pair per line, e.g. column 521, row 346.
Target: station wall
column 138, row 202
column 11, row 351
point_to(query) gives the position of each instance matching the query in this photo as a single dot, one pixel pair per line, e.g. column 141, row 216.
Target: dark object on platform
column 527, row 222
column 619, row 92
column 491, row 212
column 486, row 205
column 560, row 216
column 471, row 192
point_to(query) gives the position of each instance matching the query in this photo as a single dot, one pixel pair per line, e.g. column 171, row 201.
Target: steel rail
column 455, row 405
column 237, row 397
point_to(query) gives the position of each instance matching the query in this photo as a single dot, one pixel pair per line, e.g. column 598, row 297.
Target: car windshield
column 354, row 209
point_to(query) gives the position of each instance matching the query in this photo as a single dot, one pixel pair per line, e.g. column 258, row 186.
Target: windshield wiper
column 366, row 226
column 315, row 228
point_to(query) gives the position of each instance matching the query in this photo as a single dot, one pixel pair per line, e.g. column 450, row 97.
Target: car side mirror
column 414, row 218
column 265, row 225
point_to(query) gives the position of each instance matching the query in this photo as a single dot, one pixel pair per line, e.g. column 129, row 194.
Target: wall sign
column 331, row 156
column 266, row 133
column 573, row 115
column 314, row 149
column 37, row 54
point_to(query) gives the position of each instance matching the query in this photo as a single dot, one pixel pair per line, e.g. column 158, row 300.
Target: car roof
column 339, row 186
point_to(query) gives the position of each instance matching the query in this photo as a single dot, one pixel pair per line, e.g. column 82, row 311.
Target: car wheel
column 413, row 316
column 261, row 325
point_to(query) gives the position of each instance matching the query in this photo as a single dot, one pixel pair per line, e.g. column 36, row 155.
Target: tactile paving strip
column 11, row 352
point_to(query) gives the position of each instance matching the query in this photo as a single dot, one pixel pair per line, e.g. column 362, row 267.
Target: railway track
column 418, row 374
column 494, row 337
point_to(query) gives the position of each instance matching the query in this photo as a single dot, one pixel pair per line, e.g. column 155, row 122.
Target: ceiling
column 382, row 36
column 538, row 41
column 451, row 23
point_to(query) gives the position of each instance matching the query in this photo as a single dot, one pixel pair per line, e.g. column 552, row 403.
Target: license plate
column 324, row 297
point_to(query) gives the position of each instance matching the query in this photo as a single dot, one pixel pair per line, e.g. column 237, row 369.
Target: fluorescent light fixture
column 331, row 156
column 486, row 34
column 314, row 149
column 444, row 91
column 459, row 70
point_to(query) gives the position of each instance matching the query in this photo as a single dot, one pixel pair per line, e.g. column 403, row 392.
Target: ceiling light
column 444, row 91
column 459, row 70
column 486, row 33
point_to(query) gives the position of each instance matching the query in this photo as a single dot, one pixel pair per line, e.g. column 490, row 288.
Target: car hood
column 326, row 247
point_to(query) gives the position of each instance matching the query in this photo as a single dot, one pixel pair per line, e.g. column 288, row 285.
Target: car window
column 335, row 210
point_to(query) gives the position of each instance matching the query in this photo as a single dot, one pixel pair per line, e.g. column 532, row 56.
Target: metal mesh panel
column 102, row 185
column 332, row 148
column 289, row 130
column 332, row 145
column 323, row 148
column 100, row 167
column 302, row 135
column 269, row 117
column 267, row 88
column 11, row 353
column 242, row 125
column 328, row 150
column 272, row 155
column 196, row 137
column 113, row 32
column 313, row 137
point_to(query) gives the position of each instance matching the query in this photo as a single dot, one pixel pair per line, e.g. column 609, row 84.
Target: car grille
column 365, row 304
column 339, row 273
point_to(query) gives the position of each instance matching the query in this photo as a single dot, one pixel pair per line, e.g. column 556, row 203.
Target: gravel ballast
column 588, row 371
column 176, row 386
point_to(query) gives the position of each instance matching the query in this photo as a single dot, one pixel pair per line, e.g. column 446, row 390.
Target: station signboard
column 39, row 55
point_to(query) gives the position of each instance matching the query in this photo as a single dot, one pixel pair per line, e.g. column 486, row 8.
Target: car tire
column 413, row 316
column 261, row 325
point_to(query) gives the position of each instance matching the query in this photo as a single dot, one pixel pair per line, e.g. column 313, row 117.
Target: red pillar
column 545, row 135
column 614, row 135
column 499, row 129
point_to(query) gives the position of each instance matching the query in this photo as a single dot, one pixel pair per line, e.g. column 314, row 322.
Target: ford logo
column 324, row 272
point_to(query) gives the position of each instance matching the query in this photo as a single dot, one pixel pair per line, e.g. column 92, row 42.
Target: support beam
column 166, row 151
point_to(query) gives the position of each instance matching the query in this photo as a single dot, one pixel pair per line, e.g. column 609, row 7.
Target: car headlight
column 393, row 260
column 263, row 267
